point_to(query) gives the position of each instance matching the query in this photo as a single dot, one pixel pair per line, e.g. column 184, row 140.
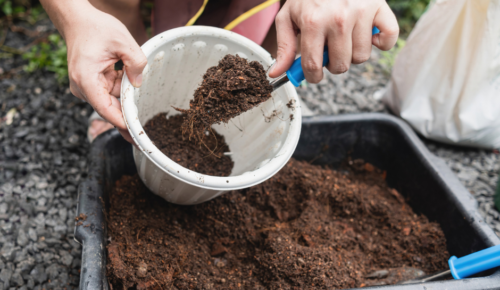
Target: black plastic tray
column 385, row 141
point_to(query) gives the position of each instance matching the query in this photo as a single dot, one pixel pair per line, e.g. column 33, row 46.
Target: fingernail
column 273, row 66
column 138, row 81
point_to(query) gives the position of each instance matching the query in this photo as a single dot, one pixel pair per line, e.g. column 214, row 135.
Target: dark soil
column 306, row 227
column 228, row 89
column 206, row 157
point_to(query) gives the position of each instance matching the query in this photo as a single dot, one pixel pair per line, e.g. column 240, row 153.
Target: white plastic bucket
column 177, row 61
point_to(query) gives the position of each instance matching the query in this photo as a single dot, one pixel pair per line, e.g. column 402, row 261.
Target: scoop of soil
column 228, row 89
column 307, row 227
column 206, row 157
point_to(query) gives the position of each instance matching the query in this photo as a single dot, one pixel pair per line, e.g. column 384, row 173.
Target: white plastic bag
column 446, row 80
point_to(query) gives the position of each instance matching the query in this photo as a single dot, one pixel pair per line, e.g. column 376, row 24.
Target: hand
column 344, row 26
column 96, row 41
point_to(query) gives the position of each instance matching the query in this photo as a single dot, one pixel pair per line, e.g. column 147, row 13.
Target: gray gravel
column 357, row 90
column 478, row 171
column 40, row 169
column 43, row 158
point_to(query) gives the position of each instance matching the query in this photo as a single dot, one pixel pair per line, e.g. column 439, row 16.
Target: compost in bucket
column 232, row 87
column 205, row 156
column 306, row 227
column 228, row 89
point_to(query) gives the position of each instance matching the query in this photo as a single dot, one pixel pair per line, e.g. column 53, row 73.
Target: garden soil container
column 430, row 187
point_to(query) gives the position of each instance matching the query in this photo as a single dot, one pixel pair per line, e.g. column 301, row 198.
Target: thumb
column 287, row 44
column 134, row 62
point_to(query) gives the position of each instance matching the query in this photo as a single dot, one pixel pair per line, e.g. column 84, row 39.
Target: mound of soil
column 307, row 227
column 206, row 157
column 228, row 89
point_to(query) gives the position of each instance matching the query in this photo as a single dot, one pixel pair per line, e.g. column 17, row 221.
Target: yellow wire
column 197, row 15
column 250, row 13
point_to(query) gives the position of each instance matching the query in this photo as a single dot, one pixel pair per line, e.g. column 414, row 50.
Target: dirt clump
column 308, row 227
column 81, row 217
column 228, row 89
column 206, row 157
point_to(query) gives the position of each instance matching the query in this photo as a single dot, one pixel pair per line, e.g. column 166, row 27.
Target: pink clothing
column 257, row 26
column 170, row 14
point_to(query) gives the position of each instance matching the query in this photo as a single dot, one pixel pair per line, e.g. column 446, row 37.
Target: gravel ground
column 43, row 157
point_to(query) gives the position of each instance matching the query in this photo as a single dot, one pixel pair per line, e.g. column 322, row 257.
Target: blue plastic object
column 474, row 263
column 296, row 75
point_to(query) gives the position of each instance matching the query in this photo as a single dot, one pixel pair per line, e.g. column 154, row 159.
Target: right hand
column 96, row 41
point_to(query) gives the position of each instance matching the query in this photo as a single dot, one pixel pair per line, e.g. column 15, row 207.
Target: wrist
column 67, row 14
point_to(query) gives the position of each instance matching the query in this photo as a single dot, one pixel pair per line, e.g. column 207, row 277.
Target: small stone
column 220, row 264
column 52, row 242
column 38, row 274
column 66, row 257
column 20, row 255
column 17, row 280
column 142, row 270
column 37, row 91
column 63, row 214
column 301, row 260
column 22, row 239
column 42, row 185
column 52, row 271
column 32, row 234
column 31, row 283
column 3, row 208
column 73, row 139
column 11, row 88
column 26, row 265
column 5, row 275
column 378, row 274
column 8, row 251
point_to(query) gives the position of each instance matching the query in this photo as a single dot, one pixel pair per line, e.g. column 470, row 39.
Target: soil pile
column 206, row 157
column 228, row 89
column 307, row 227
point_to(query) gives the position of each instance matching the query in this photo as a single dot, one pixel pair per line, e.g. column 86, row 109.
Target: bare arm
column 96, row 41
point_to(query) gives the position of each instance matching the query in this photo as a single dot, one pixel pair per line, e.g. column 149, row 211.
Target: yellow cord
column 197, row 15
column 250, row 13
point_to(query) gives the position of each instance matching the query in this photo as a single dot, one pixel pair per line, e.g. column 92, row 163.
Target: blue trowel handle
column 295, row 73
column 474, row 263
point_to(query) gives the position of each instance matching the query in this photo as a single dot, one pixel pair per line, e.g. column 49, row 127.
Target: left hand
column 345, row 26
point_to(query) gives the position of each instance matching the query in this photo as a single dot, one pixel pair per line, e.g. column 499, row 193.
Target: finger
column 134, row 62
column 287, row 46
column 312, row 44
column 386, row 21
column 106, row 105
column 361, row 41
column 114, row 81
column 116, row 90
column 340, row 48
column 126, row 135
